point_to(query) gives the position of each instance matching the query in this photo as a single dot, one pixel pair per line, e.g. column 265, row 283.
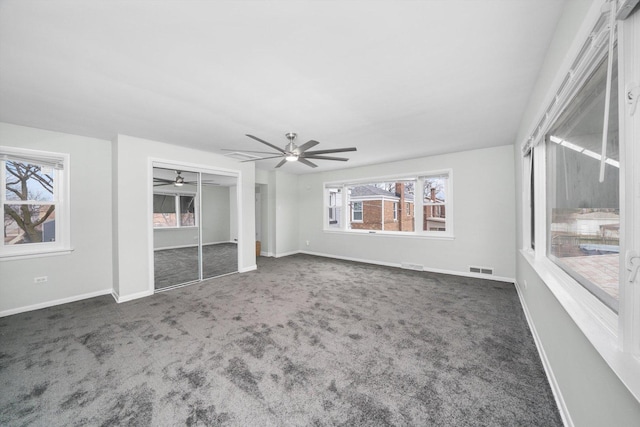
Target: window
column 173, row 210
column 435, row 202
column 356, row 212
column 34, row 202
column 376, row 205
column 581, row 224
column 334, row 205
column 583, row 214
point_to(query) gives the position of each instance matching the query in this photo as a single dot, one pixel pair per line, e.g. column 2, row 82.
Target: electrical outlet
column 40, row 279
column 307, row 243
column 525, row 283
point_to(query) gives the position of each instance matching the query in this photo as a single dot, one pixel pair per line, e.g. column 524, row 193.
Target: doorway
column 195, row 226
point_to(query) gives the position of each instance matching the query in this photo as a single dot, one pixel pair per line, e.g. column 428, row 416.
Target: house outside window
column 34, row 202
column 376, row 205
column 435, row 202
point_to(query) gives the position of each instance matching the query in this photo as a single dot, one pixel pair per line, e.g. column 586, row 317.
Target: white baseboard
column 250, row 268
column 398, row 265
column 193, row 245
column 120, row 299
column 555, row 388
column 280, row 255
column 54, row 302
column 267, row 254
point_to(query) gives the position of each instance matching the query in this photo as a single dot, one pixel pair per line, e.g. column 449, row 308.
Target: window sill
column 440, row 236
column 176, row 228
column 597, row 322
column 38, row 254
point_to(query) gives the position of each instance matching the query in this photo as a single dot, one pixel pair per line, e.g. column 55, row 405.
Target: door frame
column 200, row 169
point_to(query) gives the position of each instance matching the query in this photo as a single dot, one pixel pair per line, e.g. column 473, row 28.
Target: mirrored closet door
column 194, row 226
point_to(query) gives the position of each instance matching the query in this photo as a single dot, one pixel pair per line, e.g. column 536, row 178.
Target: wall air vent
column 480, row 270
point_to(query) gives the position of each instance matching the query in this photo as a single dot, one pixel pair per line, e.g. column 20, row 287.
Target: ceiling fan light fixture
column 179, row 180
column 291, row 157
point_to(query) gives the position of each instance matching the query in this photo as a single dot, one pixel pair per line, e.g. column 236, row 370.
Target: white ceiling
column 396, row 79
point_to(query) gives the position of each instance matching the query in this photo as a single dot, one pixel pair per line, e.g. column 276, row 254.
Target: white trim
column 553, row 382
column 399, row 265
column 193, row 246
column 247, row 269
column 283, row 254
column 435, row 235
column 41, row 254
column 120, row 299
column 55, row 302
column 61, row 201
column 200, row 169
column 597, row 323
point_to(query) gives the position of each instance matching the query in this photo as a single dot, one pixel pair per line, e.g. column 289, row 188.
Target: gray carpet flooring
column 301, row 341
column 176, row 266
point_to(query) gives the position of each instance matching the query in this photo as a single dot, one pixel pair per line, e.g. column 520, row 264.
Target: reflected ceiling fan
column 179, row 181
column 294, row 153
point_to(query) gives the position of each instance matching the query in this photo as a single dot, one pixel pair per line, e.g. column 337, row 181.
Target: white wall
column 593, row 394
column 168, row 238
column 87, row 270
column 286, row 213
column 483, row 221
column 217, row 214
column 133, row 157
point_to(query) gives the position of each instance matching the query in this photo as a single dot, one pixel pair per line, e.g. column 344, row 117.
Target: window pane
column 434, row 203
column 335, row 208
column 376, row 206
column 28, row 223
column 164, row 210
column 187, row 211
column 26, row 181
column 583, row 213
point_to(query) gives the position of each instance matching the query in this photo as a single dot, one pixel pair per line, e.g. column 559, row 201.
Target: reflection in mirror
column 219, row 228
column 194, row 227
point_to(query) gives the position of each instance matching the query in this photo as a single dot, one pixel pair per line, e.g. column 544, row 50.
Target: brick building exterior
column 373, row 208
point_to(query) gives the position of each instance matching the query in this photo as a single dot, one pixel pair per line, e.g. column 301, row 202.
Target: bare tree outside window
column 29, row 203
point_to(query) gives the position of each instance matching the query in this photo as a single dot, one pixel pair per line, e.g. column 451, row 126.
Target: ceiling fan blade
column 281, row 163
column 267, row 143
column 262, row 158
column 306, row 162
column 247, row 151
column 335, row 150
column 163, row 180
column 340, row 159
column 304, row 147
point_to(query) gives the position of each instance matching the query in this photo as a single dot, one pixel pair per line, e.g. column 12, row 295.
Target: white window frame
column 353, row 211
column 395, row 211
column 418, row 179
column 615, row 336
column 447, row 203
column 62, row 244
column 176, row 201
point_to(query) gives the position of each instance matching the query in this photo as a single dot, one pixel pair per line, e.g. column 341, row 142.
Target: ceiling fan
column 179, row 181
column 294, row 153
